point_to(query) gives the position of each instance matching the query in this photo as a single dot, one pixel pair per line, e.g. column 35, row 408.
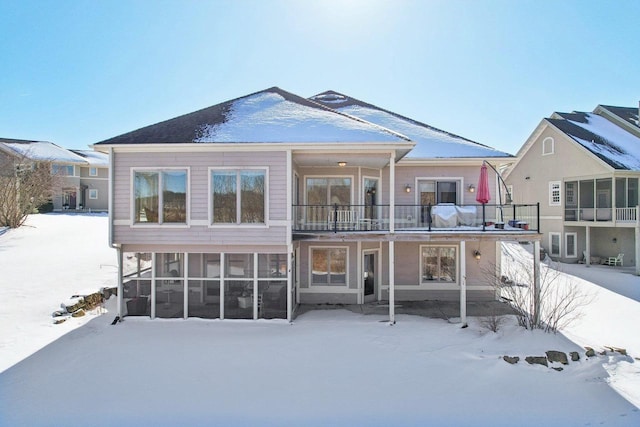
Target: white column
column 392, row 284
column 392, row 193
column 289, row 283
column 185, row 287
column 637, row 241
column 255, row 286
column 463, row 284
column 120, row 285
column 587, row 233
column 222, row 273
column 536, row 281
column 153, row 285
column 359, row 278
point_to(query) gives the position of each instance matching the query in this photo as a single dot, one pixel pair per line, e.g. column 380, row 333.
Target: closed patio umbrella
column 483, row 195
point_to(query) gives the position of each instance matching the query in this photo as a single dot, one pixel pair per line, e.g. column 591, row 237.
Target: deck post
column 536, row 281
column 120, row 298
column 637, row 241
column 392, row 284
column 587, row 233
column 392, row 192
column 463, row 284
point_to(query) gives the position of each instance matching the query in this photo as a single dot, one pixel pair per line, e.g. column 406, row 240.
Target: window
column 160, row 196
column 329, row 266
column 93, row 193
column 554, row 193
column 548, row 146
column 238, row 196
column 329, row 191
column 432, row 192
column 93, row 171
column 62, row 170
column 438, row 264
column 570, row 245
column 554, row 244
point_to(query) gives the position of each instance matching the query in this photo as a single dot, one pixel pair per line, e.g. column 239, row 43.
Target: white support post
column 289, row 283
column 536, row 281
column 392, row 284
column 185, row 287
column 222, row 273
column 120, row 284
column 359, row 278
column 392, row 193
column 463, row 284
column 153, row 285
column 255, row 286
column 587, row 232
column 637, row 241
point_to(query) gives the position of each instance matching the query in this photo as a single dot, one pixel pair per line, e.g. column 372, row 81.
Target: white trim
column 159, row 170
column 575, row 244
column 552, row 150
column 328, row 290
column 457, row 261
column 459, row 191
column 351, row 190
column 238, row 169
column 553, row 234
column 376, row 289
column 337, row 286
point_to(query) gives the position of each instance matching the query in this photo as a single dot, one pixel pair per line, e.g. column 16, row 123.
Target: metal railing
column 477, row 217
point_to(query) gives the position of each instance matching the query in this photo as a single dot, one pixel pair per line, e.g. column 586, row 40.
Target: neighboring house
column 83, row 174
column 250, row 207
column 584, row 168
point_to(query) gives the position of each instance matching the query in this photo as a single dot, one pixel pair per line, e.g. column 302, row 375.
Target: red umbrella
column 483, row 195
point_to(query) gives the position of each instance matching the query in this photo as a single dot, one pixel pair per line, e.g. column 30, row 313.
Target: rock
column 59, row 320
column 558, row 369
column 590, row 352
column 622, row 351
column 540, row 360
column 557, row 356
column 511, row 359
column 59, row 313
column 78, row 313
column 575, row 356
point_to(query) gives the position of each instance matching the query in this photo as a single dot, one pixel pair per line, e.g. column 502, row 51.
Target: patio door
column 369, row 276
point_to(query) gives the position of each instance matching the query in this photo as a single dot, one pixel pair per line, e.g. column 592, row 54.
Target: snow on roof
column 43, row 151
column 611, row 143
column 94, row 158
column 269, row 117
column 430, row 142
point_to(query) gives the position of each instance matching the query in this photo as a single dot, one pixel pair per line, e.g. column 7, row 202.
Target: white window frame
column 93, row 193
column 548, row 146
column 93, row 171
column 436, row 179
column 551, row 236
column 555, row 187
column 566, row 245
column 351, row 191
column 159, row 170
column 323, row 286
column 238, row 224
column 437, row 282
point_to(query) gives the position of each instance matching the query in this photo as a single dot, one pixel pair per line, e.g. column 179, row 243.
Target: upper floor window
column 433, row 192
column 62, row 170
column 554, row 193
column 238, row 196
column 160, row 196
column 93, row 171
column 548, row 146
column 329, row 191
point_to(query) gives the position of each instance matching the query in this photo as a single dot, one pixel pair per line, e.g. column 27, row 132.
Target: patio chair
column 615, row 260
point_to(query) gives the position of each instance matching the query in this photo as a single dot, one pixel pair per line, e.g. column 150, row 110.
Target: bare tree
column 24, row 186
column 561, row 299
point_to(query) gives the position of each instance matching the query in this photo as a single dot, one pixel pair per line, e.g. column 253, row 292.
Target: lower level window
column 329, row 266
column 438, row 264
column 554, row 244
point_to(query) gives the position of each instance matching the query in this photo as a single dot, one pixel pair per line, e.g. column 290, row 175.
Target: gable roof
column 93, row 158
column 629, row 115
column 431, row 142
column 611, row 143
column 42, row 151
column 269, row 116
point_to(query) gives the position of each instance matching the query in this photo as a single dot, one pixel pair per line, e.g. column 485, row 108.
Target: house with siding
column 584, row 168
column 248, row 208
column 82, row 174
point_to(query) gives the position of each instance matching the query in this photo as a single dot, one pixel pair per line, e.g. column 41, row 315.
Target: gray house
column 584, row 167
column 253, row 206
column 83, row 174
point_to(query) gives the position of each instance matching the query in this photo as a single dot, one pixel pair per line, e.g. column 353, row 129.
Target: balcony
column 622, row 215
column 419, row 218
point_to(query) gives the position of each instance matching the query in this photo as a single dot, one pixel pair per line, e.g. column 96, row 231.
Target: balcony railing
column 441, row 217
column 626, row 215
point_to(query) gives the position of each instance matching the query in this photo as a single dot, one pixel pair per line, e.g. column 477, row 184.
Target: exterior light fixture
column 472, row 189
column 342, row 164
column 477, row 255
column 407, row 188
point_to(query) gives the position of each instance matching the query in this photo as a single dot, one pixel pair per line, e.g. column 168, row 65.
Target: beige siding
column 198, row 164
column 102, row 185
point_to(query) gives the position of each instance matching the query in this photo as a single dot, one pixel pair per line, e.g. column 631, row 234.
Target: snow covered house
column 584, row 167
column 255, row 205
column 84, row 176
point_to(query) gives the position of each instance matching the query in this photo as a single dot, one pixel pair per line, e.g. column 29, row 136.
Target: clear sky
column 78, row 72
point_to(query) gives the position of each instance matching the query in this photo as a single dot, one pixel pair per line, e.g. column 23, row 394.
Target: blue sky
column 77, row 72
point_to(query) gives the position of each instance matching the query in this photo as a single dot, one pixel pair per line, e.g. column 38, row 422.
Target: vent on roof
column 330, row 98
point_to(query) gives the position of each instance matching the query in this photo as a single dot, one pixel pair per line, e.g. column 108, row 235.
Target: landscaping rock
column 59, row 320
column 622, row 351
column 575, row 356
column 511, row 359
column 557, row 356
column 590, row 352
column 558, row 369
column 540, row 360
column 78, row 313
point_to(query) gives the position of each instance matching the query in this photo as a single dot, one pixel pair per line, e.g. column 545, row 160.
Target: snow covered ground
column 330, row 367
